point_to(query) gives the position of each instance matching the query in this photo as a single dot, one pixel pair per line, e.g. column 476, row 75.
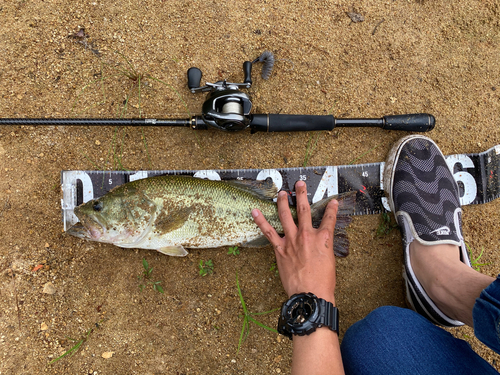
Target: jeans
column 394, row 340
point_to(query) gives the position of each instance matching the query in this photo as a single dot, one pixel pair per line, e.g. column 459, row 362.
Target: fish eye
column 97, row 206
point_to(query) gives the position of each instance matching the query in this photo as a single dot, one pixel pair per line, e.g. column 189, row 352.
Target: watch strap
column 329, row 315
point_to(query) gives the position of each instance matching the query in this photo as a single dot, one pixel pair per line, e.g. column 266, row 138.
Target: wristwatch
column 304, row 312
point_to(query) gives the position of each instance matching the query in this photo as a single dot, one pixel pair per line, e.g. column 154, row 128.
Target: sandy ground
column 405, row 57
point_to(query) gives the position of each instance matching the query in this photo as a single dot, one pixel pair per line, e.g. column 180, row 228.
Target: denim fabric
column 392, row 340
column 486, row 315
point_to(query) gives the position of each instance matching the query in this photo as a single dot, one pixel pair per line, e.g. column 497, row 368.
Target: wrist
column 328, row 296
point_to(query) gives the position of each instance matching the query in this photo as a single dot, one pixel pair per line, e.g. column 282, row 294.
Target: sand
column 437, row 57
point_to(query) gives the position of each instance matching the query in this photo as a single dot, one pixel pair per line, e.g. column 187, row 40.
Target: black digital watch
column 303, row 313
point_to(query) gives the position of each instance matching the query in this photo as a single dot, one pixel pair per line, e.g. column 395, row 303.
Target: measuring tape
column 477, row 176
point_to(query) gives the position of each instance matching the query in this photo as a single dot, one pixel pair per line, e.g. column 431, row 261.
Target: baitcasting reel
column 226, row 107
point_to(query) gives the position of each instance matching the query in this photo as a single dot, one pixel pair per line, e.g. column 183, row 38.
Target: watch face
column 301, row 309
column 305, row 312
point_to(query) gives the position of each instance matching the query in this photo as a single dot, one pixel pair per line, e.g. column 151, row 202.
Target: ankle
column 432, row 264
column 450, row 284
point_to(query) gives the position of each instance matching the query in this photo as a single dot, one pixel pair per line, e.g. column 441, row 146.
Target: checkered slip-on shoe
column 424, row 197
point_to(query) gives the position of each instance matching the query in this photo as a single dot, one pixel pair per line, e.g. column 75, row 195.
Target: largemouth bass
column 172, row 213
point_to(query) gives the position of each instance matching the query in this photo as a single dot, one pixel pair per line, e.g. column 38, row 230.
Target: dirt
column 437, row 57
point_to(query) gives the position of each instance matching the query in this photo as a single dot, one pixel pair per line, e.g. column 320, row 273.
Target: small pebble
column 107, row 354
column 49, row 288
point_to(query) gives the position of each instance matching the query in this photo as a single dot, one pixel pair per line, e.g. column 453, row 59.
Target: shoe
column 424, row 197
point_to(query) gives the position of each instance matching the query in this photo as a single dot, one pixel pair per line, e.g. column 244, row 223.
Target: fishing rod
column 228, row 108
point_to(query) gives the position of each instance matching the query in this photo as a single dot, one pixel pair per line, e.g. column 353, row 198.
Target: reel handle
column 247, row 71
column 194, row 78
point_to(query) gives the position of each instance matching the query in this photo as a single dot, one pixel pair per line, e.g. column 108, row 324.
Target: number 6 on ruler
column 467, row 180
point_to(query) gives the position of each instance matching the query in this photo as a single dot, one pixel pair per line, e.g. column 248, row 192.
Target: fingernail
column 281, row 193
column 255, row 213
column 300, row 183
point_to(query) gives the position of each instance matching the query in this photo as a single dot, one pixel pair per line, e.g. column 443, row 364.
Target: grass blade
column 309, row 151
column 262, row 325
column 241, row 296
column 359, row 157
column 245, row 325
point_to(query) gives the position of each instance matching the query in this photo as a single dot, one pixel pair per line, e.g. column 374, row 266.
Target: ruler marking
column 319, row 179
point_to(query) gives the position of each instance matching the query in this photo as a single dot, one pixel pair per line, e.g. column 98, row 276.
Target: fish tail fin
column 347, row 202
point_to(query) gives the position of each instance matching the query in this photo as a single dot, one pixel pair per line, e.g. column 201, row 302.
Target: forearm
column 317, row 353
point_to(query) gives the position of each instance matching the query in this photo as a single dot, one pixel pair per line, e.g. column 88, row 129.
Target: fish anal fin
column 175, row 251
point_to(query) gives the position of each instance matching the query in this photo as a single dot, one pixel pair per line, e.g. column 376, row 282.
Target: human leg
column 425, row 200
column 440, row 283
column 392, row 340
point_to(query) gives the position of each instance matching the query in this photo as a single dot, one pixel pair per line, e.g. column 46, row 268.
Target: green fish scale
column 231, row 205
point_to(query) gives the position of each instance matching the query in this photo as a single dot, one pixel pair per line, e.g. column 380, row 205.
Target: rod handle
column 418, row 122
column 291, row 123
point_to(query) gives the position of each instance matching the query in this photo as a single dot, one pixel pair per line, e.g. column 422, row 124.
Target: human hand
column 304, row 256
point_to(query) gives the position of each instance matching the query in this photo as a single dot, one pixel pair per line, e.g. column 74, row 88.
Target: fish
column 172, row 213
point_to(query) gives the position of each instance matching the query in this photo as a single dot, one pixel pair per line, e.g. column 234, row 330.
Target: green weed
column 474, row 262
column 234, row 250
column 206, row 267
column 79, row 343
column 146, row 278
column 386, row 225
column 249, row 317
column 274, row 269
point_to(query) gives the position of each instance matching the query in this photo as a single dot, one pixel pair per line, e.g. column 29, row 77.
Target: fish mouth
column 94, row 231
column 78, row 230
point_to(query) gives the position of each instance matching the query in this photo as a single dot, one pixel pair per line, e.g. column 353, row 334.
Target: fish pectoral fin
column 166, row 223
column 175, row 251
column 258, row 242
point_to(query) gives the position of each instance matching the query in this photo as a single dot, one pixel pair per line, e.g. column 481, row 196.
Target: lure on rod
column 227, row 108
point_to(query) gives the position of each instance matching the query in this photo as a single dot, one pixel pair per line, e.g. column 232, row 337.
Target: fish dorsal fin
column 265, row 189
